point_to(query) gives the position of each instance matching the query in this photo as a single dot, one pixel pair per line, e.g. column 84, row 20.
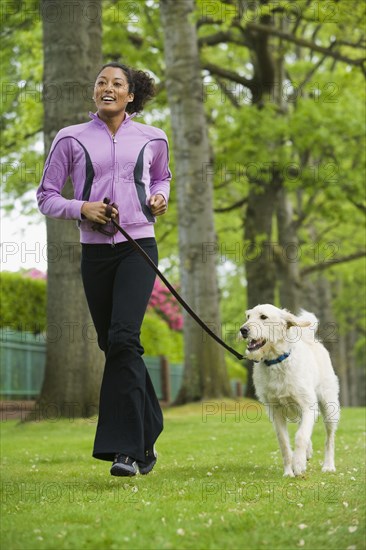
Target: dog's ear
column 293, row 321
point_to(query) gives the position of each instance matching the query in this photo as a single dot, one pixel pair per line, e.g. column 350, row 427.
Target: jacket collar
column 100, row 122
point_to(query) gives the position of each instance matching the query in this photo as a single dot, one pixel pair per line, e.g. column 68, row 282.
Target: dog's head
column 266, row 330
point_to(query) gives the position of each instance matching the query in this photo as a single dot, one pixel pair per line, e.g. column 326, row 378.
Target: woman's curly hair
column 140, row 84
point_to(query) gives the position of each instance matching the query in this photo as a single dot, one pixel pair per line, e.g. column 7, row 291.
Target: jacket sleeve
column 57, row 169
column 160, row 174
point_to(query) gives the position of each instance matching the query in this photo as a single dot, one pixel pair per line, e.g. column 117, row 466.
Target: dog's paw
column 299, row 471
column 328, row 468
column 309, row 451
column 288, row 472
column 299, row 465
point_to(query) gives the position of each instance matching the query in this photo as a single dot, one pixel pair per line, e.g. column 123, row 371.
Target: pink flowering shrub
column 34, row 273
column 166, row 306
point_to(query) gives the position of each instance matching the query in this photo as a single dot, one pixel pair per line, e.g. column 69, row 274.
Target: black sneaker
column 123, row 466
column 151, row 456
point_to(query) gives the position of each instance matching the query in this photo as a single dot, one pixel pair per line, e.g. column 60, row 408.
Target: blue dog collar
column 279, row 359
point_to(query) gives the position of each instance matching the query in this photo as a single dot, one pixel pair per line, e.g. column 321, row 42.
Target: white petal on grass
column 209, row 523
column 180, row 532
column 302, row 526
column 352, row 528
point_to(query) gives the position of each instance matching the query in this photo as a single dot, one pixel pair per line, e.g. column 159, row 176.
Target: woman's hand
column 96, row 211
column 158, row 205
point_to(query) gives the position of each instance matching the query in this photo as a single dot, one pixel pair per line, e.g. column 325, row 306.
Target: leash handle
column 175, row 293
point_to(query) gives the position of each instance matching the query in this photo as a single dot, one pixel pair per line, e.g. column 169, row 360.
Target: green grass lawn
column 217, row 484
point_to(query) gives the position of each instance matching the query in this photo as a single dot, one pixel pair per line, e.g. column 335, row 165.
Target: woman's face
column 111, row 94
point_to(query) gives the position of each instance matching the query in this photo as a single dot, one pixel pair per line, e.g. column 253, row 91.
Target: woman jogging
column 126, row 162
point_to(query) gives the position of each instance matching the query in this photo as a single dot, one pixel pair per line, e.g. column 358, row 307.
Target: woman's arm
column 57, row 169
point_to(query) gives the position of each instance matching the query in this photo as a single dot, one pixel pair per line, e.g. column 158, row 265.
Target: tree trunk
column 72, row 56
column 259, row 264
column 351, row 340
column 205, row 374
column 339, row 359
column 317, row 297
column 288, row 255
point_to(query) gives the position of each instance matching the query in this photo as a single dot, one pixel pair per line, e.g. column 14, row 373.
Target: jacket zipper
column 113, row 177
column 114, row 141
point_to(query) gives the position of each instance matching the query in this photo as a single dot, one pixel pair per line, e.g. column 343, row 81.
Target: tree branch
column 311, row 73
column 359, row 44
column 135, row 39
column 299, row 19
column 325, row 265
column 229, row 75
column 306, row 211
column 358, row 205
column 232, row 207
column 326, row 231
column 208, row 21
column 305, row 43
column 219, row 37
column 229, row 94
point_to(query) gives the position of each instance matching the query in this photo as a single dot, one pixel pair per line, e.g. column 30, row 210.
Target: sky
column 23, row 239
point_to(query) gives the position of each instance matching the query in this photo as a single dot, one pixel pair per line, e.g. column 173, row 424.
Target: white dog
column 293, row 377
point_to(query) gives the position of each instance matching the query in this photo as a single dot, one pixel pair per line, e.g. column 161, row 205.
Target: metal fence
column 23, row 358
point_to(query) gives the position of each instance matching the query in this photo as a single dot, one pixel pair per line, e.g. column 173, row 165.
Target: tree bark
column 287, row 260
column 317, row 297
column 72, row 56
column 289, row 253
column 259, row 263
column 205, row 374
column 351, row 340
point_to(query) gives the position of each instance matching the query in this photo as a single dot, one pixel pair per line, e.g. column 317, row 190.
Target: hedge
column 23, row 303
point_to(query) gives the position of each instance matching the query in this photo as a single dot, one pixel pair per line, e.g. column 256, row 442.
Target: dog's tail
column 308, row 333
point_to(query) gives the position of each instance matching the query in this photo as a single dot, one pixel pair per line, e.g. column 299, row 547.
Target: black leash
column 171, row 288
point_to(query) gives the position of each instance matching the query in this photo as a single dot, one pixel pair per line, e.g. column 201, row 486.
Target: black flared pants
column 118, row 283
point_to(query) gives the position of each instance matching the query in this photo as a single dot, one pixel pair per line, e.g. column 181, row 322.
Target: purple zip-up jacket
column 127, row 169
